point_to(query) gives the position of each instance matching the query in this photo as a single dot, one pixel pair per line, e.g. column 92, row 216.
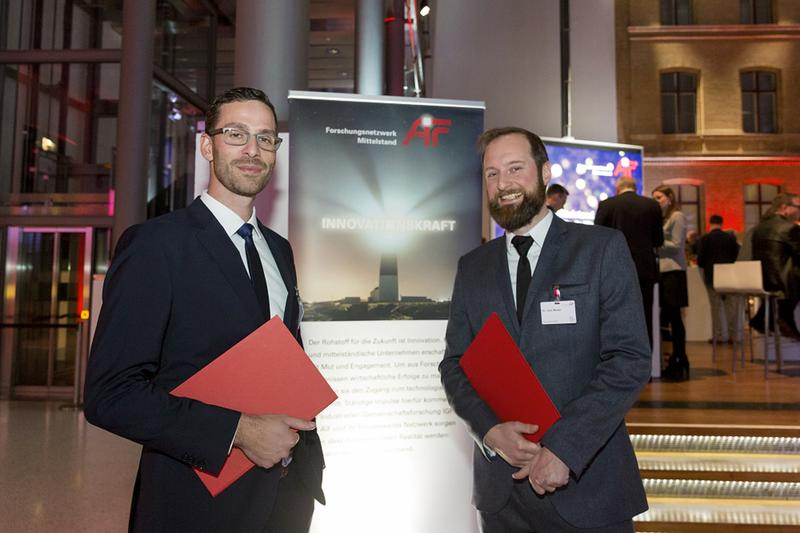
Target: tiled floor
column 59, row 474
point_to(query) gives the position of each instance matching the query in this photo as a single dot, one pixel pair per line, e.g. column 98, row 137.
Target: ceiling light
column 424, row 8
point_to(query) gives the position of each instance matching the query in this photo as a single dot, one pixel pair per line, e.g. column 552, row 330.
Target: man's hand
column 266, row 439
column 546, row 472
column 508, row 440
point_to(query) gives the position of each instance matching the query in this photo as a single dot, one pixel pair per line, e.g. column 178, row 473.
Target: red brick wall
column 724, row 180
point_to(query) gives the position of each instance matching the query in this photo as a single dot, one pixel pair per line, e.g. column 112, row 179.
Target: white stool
column 744, row 278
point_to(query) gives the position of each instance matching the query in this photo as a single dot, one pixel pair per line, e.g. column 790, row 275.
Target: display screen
column 589, row 170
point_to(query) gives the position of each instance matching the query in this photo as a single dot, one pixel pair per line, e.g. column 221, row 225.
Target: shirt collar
column 228, row 219
column 538, row 232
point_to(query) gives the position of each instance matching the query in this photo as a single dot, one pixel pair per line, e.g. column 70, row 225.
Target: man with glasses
column 181, row 290
column 776, row 243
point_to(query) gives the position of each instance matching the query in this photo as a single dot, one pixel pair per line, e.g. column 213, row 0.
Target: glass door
column 46, row 293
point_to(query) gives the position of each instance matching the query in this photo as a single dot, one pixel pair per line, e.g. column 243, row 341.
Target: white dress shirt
column 539, row 233
column 231, row 222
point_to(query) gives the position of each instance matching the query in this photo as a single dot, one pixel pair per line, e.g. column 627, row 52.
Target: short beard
column 225, row 170
column 511, row 218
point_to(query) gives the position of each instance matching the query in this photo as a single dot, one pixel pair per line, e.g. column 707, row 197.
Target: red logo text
column 428, row 129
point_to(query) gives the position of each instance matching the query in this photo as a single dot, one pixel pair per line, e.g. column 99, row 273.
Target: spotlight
column 424, row 8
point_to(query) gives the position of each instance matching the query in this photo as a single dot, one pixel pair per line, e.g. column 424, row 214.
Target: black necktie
column 256, row 270
column 522, row 244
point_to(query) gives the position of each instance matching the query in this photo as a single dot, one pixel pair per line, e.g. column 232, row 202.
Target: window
column 756, row 11
column 676, row 12
column 689, row 198
column 678, row 97
column 757, row 200
column 759, row 102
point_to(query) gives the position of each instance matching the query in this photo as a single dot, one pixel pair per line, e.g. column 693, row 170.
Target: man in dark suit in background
column 181, row 290
column 776, row 243
column 640, row 220
column 719, row 247
column 556, row 197
column 590, row 354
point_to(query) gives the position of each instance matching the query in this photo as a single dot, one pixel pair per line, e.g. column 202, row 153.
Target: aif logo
column 428, row 129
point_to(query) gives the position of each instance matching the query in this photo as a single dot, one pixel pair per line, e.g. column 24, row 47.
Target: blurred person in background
column 673, row 293
column 716, row 247
column 556, row 197
column 776, row 243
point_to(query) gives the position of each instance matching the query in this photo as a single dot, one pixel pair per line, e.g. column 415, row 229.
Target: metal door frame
column 7, row 336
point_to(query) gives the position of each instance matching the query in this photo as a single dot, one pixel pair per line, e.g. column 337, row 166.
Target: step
column 719, row 477
column 719, row 466
column 726, row 430
column 670, row 514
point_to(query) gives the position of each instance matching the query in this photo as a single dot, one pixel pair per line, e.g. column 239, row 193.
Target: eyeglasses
column 237, row 137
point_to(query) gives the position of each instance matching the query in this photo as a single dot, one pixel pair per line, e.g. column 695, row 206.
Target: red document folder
column 503, row 379
column 266, row 372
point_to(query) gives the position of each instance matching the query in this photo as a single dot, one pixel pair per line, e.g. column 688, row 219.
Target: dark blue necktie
column 522, row 244
column 257, row 278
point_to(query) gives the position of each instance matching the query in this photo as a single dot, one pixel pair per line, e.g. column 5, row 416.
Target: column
column 395, row 48
column 136, row 80
column 272, row 49
column 369, row 47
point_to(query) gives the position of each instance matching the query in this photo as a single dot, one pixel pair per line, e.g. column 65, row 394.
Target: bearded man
column 181, row 290
column 568, row 295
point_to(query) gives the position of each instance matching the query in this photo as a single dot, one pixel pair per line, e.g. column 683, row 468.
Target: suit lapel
column 291, row 306
column 503, row 280
column 222, row 251
column 544, row 267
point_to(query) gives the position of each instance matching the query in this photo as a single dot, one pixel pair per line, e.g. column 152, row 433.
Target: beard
column 229, row 176
column 511, row 217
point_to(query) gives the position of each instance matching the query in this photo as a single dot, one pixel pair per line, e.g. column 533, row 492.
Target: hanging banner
column 384, row 197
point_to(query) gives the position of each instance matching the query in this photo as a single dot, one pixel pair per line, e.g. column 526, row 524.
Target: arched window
column 689, row 193
column 757, row 200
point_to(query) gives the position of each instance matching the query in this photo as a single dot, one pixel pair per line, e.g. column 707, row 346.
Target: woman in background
column 673, row 293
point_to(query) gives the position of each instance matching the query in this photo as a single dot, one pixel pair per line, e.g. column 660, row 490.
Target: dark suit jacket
column 776, row 243
column 640, row 220
column 715, row 247
column 593, row 370
column 177, row 295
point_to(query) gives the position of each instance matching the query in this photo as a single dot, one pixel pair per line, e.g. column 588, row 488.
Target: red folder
column 266, row 372
column 503, row 379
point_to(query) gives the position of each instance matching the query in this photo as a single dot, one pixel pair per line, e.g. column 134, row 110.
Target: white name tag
column 562, row 312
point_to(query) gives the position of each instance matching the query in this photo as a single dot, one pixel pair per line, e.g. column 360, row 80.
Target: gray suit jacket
column 593, row 370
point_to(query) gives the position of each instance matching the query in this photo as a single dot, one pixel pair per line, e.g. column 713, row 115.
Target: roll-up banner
column 384, row 197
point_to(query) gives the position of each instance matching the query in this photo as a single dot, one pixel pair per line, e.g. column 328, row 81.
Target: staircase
column 719, row 478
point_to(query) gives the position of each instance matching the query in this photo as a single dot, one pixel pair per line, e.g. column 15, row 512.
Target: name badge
column 560, row 312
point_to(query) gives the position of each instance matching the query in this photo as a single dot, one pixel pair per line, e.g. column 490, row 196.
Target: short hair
column 237, row 94
column 715, row 219
column 625, row 183
column 556, row 188
column 538, row 151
